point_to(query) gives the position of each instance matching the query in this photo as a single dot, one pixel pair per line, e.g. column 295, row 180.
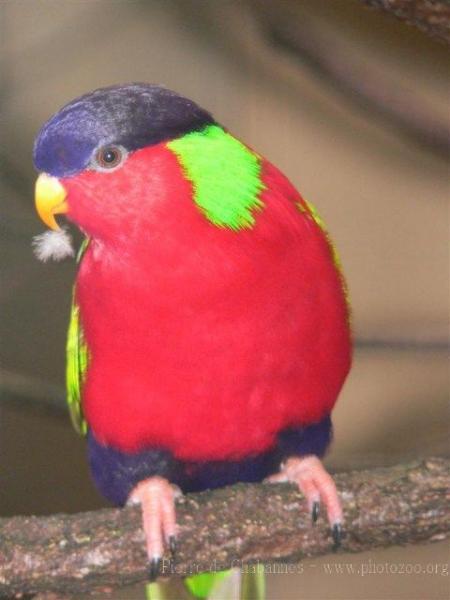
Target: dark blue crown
column 133, row 116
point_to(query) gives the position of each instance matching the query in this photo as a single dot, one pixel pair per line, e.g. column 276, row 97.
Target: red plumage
column 203, row 340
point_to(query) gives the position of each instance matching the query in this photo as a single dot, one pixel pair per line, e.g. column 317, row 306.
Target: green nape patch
column 225, row 176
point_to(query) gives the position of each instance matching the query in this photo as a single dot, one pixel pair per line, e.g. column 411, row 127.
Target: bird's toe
column 157, row 499
column 318, row 487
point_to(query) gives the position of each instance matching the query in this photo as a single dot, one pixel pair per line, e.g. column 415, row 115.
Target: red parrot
column 209, row 334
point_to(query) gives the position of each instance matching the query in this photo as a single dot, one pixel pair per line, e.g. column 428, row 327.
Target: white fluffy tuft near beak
column 53, row 245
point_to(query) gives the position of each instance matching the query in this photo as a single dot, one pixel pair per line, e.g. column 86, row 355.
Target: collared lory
column 209, row 334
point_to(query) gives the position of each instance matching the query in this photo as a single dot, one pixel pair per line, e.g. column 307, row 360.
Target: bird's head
column 95, row 155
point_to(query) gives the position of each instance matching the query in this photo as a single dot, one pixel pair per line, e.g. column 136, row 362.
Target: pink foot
column 316, row 485
column 157, row 499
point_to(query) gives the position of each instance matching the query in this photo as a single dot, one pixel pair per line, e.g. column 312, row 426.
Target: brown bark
column 240, row 524
column 430, row 16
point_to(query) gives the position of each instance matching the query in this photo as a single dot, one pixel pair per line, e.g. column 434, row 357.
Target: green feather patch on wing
column 77, row 361
column 248, row 585
column 201, row 585
column 225, row 176
column 309, row 209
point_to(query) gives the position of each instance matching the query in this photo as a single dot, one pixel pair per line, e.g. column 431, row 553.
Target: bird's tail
column 223, row 585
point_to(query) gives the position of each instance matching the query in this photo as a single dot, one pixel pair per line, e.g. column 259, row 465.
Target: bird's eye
column 109, row 157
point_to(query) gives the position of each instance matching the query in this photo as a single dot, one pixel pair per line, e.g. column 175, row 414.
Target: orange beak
column 50, row 199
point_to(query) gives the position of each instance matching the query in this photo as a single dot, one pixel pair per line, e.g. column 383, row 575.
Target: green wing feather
column 77, row 354
column 231, row 584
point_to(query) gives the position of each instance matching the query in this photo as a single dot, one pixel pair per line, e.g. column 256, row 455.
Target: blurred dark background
column 353, row 106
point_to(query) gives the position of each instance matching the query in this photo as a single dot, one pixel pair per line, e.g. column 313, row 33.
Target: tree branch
column 369, row 86
column 234, row 525
column 430, row 16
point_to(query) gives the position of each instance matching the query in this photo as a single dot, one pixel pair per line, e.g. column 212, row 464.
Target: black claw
column 172, row 544
column 315, row 511
column 336, row 532
column 155, row 565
